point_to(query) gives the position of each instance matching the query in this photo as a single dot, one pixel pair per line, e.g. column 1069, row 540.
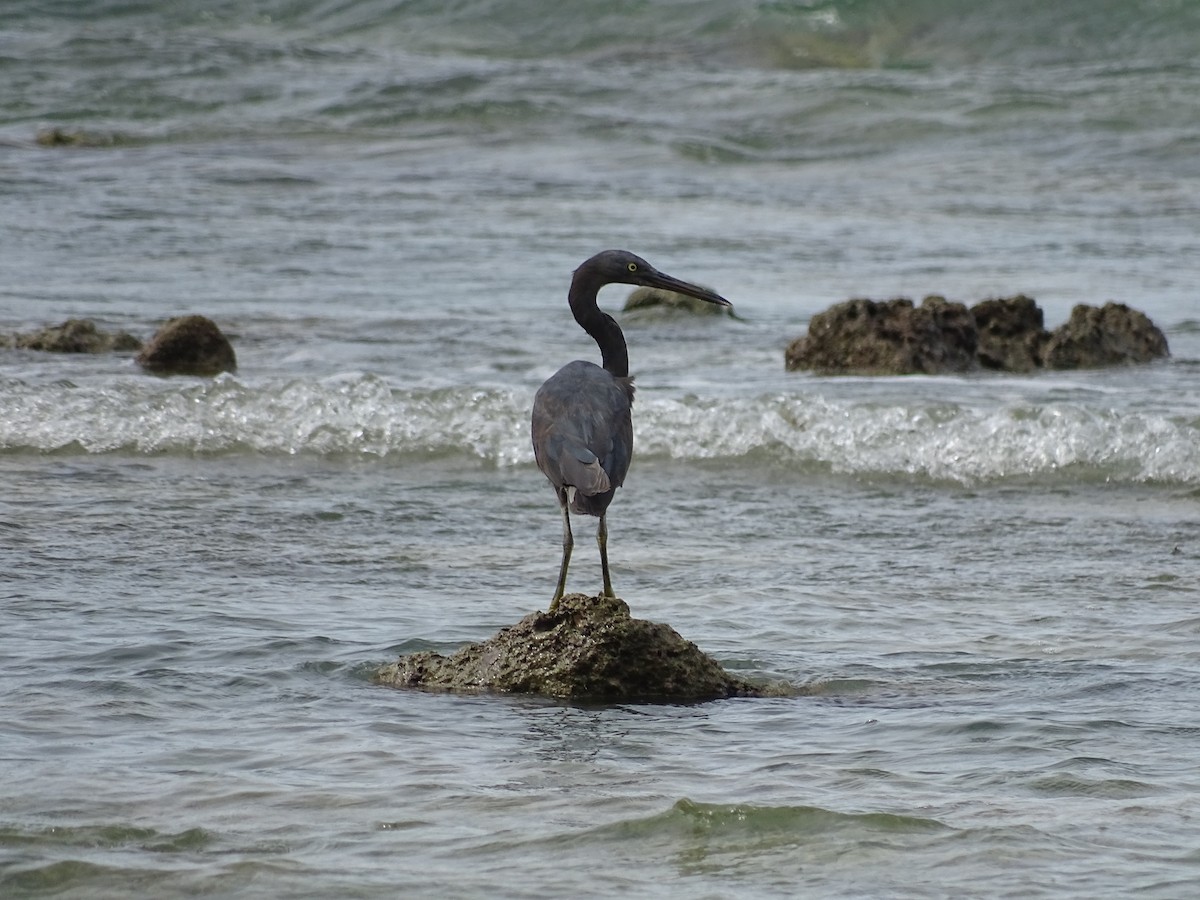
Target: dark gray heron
column 582, row 429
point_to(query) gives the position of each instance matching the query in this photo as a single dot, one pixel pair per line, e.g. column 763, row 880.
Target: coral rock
column 1110, row 335
column 188, row 345
column 589, row 647
column 651, row 298
column 1012, row 335
column 76, row 336
column 894, row 337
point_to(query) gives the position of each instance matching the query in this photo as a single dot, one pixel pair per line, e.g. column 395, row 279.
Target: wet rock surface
column 1012, row 333
column 588, row 648
column 188, row 345
column 870, row 337
column 894, row 337
column 1110, row 335
column 75, row 336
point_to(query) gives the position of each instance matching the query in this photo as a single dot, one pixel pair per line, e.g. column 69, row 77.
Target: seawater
column 983, row 586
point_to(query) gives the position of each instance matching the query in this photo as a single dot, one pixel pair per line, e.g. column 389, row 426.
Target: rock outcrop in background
column 74, row 336
column 188, row 345
column 896, row 337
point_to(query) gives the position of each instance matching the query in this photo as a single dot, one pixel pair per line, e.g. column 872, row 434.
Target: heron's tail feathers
column 581, row 470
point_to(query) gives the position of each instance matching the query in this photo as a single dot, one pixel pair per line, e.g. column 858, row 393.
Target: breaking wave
column 365, row 415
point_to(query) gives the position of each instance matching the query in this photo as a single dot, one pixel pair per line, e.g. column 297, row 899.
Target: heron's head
column 623, row 267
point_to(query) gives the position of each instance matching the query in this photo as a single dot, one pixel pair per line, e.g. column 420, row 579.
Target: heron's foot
column 553, row 608
column 608, row 593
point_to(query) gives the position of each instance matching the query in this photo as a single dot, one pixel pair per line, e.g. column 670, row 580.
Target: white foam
column 363, row 414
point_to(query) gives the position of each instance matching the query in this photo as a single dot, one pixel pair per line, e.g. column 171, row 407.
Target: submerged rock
column 64, row 137
column 188, row 345
column 656, row 298
column 76, row 336
column 589, row 647
column 893, row 337
column 1110, row 335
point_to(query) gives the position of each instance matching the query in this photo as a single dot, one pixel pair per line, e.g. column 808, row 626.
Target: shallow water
column 989, row 678
column 985, row 586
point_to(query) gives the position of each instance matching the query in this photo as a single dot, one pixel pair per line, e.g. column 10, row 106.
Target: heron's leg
column 602, row 542
column 568, row 544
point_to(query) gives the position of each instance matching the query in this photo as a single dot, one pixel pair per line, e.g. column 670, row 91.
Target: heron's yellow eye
column 633, row 267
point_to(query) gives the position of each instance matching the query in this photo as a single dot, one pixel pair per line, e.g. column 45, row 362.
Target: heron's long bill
column 667, row 283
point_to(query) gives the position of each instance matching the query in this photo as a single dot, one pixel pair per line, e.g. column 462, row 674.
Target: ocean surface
column 985, row 588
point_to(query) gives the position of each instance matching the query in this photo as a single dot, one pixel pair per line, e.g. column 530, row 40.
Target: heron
column 582, row 425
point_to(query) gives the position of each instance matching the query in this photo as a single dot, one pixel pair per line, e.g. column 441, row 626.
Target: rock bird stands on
column 582, row 430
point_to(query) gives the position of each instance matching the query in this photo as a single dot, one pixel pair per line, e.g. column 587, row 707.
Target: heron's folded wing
column 581, row 469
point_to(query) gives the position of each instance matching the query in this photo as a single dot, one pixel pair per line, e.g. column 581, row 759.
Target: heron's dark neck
column 602, row 327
